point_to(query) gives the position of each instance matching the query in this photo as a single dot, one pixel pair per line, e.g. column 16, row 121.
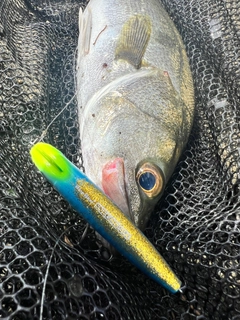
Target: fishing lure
column 105, row 217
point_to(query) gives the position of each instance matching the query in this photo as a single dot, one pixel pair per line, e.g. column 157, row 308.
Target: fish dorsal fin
column 133, row 40
column 85, row 29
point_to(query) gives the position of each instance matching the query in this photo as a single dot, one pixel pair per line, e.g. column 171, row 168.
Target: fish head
column 134, row 189
column 133, row 135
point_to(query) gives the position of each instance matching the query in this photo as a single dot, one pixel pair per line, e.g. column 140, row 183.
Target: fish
column 135, row 101
column 102, row 214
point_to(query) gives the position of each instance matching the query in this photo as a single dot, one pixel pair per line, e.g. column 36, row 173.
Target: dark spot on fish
column 93, row 115
column 104, row 65
column 120, row 132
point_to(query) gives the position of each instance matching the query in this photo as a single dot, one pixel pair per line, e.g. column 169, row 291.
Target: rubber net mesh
column 51, row 264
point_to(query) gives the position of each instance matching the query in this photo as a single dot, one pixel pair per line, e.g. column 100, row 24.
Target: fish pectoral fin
column 133, row 40
column 85, row 28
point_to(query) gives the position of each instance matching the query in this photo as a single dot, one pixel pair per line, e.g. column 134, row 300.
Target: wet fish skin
column 135, row 97
column 99, row 211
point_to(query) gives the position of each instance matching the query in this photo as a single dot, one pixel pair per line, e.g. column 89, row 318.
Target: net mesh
column 51, row 264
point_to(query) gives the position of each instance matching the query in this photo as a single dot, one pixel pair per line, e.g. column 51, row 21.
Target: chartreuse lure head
column 50, row 161
column 102, row 214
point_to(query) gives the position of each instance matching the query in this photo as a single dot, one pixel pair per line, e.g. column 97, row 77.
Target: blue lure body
column 105, row 217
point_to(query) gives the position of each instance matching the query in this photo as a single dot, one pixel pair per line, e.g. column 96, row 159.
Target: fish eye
column 147, row 180
column 150, row 179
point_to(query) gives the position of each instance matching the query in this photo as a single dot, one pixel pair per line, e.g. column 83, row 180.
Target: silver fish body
column 135, row 98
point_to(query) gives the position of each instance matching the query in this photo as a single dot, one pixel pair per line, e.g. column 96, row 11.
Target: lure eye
column 150, row 179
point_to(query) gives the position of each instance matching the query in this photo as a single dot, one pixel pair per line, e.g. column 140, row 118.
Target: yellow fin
column 133, row 40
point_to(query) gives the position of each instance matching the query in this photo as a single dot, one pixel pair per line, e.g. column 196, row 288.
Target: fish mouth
column 114, row 184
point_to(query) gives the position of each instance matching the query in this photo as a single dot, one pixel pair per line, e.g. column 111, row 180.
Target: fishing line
column 50, row 260
column 43, row 134
column 47, row 272
column 41, row 137
column 38, row 139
